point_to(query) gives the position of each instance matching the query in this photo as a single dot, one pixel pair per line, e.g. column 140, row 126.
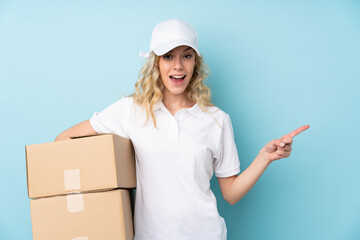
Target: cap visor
column 161, row 50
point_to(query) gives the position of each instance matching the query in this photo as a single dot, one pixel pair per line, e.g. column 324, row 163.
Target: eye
column 188, row 56
column 167, row 57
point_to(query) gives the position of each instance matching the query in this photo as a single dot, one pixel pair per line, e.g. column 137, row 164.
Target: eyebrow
column 184, row 50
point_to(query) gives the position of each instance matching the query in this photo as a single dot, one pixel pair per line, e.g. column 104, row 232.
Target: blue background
column 275, row 66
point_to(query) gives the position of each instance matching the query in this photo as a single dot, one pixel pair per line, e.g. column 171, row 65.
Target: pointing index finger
column 297, row 131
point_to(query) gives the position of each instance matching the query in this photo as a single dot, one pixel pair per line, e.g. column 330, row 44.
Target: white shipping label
column 72, row 179
column 75, row 203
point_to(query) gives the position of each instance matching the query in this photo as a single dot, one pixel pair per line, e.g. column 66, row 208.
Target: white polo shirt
column 174, row 165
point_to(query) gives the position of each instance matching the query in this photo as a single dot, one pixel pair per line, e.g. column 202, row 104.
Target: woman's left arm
column 235, row 187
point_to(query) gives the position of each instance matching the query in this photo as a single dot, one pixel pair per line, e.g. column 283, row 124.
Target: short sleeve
column 227, row 164
column 114, row 118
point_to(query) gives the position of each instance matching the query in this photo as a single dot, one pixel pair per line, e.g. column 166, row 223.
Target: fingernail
column 282, row 144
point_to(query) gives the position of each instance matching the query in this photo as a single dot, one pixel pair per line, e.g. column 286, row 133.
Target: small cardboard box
column 98, row 215
column 83, row 164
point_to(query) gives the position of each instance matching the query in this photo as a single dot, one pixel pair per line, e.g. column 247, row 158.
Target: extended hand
column 281, row 148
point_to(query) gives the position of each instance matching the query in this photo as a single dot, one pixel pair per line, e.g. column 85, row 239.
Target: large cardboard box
column 98, row 215
column 83, row 164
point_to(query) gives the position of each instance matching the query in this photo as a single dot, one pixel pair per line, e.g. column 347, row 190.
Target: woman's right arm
column 81, row 129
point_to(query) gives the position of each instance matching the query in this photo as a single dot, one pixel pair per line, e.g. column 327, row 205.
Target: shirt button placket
column 174, row 130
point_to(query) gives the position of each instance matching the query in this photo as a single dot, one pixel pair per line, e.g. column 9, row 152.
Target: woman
column 180, row 141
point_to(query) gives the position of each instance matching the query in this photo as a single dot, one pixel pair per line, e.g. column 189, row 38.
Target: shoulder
column 217, row 114
column 126, row 99
column 124, row 102
column 120, row 106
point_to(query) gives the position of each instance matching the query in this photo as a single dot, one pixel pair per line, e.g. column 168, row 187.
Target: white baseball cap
column 170, row 34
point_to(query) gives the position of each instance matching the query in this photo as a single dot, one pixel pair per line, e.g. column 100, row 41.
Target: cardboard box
column 99, row 215
column 80, row 165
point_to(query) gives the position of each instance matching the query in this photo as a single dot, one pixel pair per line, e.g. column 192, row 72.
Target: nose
column 178, row 64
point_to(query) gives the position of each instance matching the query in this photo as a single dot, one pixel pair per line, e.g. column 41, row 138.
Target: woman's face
column 176, row 69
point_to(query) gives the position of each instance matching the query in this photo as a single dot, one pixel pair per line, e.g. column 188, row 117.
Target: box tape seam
column 72, row 179
column 75, row 203
column 80, row 238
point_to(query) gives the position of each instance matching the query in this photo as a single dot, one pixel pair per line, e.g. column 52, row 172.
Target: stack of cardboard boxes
column 81, row 189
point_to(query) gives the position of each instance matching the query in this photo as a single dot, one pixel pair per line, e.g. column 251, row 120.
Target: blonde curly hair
column 149, row 87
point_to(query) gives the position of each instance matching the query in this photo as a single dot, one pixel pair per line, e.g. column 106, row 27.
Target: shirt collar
column 197, row 112
column 159, row 105
column 194, row 110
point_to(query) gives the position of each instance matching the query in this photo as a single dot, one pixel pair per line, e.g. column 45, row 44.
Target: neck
column 175, row 103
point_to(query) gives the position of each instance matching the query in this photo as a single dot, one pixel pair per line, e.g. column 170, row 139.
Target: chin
column 177, row 92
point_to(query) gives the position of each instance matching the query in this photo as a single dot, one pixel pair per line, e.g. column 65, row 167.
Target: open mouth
column 177, row 79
